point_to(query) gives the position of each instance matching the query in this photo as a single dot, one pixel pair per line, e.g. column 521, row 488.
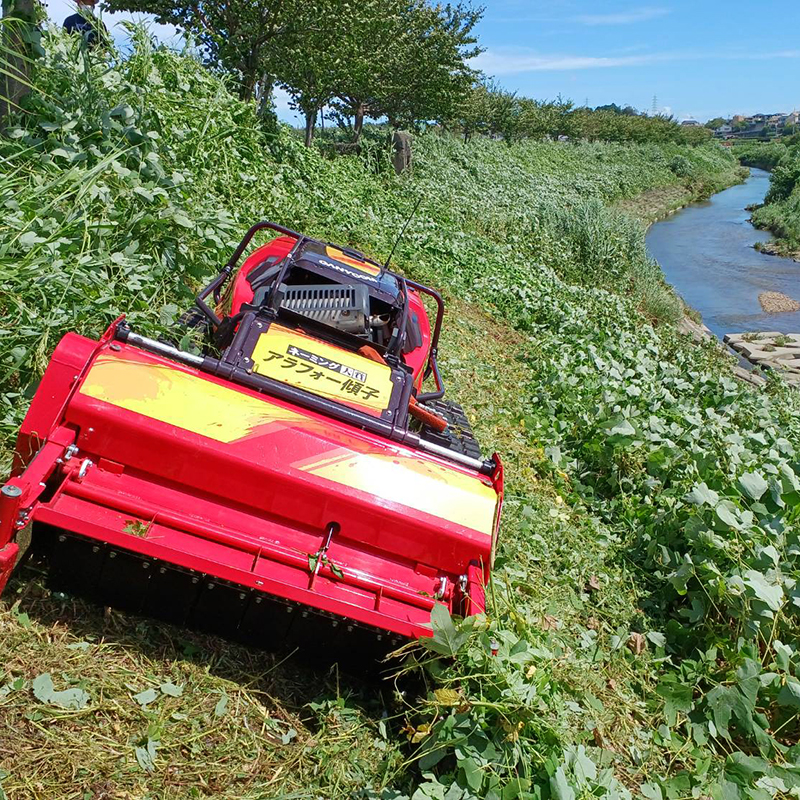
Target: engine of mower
column 331, row 322
column 340, row 290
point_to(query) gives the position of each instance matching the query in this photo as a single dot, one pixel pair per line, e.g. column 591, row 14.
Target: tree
column 19, row 45
column 310, row 65
column 476, row 110
column 235, row 35
column 613, row 108
column 403, row 60
column 426, row 75
column 715, row 123
column 369, row 37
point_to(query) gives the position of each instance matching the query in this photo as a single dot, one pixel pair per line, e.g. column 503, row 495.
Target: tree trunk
column 263, row 93
column 16, row 54
column 247, row 86
column 250, row 75
column 358, row 124
column 311, row 121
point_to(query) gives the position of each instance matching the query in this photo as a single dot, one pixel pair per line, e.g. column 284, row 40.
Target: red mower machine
column 291, row 483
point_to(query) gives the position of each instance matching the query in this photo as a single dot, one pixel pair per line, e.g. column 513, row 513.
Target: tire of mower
column 458, row 437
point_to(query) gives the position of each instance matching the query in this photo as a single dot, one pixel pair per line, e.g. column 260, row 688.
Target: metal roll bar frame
column 214, row 288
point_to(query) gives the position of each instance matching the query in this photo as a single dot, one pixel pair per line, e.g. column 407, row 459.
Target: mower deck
column 176, row 476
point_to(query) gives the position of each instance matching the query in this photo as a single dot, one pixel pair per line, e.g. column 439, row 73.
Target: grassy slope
column 545, row 343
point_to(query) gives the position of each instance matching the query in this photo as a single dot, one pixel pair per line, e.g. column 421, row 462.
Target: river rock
column 777, row 302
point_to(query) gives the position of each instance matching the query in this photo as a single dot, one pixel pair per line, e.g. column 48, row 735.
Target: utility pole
column 16, row 53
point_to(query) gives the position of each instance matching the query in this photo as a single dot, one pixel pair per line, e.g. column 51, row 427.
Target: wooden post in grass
column 401, row 158
column 16, row 52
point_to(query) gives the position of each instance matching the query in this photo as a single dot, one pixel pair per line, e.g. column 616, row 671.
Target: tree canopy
column 406, row 61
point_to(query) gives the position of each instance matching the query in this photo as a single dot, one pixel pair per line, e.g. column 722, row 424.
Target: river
column 706, row 252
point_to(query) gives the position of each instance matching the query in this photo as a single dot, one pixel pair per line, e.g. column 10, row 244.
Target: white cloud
column 623, row 17
column 513, row 61
column 510, row 62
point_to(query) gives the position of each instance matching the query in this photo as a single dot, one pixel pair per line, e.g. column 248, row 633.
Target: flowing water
column 706, row 252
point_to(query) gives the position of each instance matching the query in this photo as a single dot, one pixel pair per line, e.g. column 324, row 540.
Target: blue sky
column 701, row 59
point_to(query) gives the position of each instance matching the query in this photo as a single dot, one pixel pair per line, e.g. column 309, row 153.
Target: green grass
column 644, row 598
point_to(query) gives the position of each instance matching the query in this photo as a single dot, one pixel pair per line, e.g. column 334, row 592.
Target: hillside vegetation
column 645, row 600
column 780, row 212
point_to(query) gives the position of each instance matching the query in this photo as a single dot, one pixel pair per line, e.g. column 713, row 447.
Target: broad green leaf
column 29, row 239
column 288, row 736
column 560, row 787
column 473, row 774
column 516, row 788
column 167, row 314
column 44, row 691
column 145, row 697
column 726, row 513
column 783, row 654
column 769, row 593
column 146, row 755
column 726, row 702
column 702, row 495
column 677, row 699
column 651, row 791
column 446, row 639
column 171, row 689
column 182, row 220
column 753, row 485
column 619, row 426
column 789, row 695
column 583, row 767
column 221, row 708
column 434, row 752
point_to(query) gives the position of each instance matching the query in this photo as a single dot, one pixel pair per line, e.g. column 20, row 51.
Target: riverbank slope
column 638, row 556
column 780, row 212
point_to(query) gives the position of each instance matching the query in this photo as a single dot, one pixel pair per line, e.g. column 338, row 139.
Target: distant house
column 690, row 123
column 723, row 132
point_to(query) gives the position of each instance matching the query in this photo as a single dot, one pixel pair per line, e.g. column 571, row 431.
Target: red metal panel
column 184, row 467
column 280, row 467
column 71, row 357
column 8, row 557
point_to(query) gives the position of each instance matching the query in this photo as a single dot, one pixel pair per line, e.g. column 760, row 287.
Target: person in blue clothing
column 86, row 23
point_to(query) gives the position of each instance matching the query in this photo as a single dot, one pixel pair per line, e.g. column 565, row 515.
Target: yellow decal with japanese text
column 322, row 369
